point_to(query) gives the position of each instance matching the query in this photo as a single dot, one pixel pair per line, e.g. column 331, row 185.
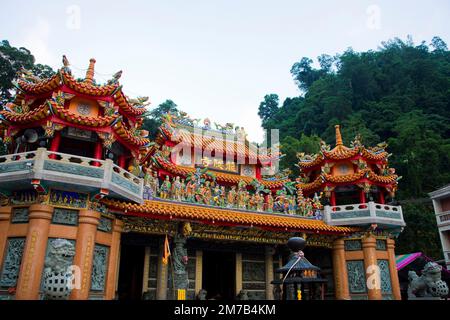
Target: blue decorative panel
column 68, row 199
column 15, row 166
column 381, row 244
column 65, row 216
column 125, row 183
column 388, row 214
column 76, row 169
column 105, row 224
column 353, row 245
column 11, row 264
column 385, row 276
column 356, row 276
column 20, row 215
column 350, row 214
column 99, row 268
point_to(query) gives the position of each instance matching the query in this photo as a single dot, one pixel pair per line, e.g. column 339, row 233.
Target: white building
column 441, row 203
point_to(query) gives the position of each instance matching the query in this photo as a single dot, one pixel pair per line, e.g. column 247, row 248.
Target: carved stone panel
column 11, row 264
column 356, row 276
column 353, row 245
column 385, row 276
column 65, row 216
column 99, row 267
column 20, row 215
column 105, row 224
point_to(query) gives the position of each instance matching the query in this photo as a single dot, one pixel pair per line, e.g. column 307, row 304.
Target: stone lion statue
column 429, row 284
column 57, row 273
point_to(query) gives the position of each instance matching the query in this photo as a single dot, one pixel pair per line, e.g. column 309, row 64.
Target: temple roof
column 182, row 130
column 342, row 152
column 86, row 86
column 213, row 215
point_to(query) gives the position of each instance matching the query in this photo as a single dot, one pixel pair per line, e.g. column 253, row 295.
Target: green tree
column 153, row 119
column 268, row 107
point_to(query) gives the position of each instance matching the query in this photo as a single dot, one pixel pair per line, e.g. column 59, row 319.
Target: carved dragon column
column 370, row 261
column 5, row 217
column 113, row 264
column 84, row 251
column 393, row 270
column 32, row 266
column 340, row 271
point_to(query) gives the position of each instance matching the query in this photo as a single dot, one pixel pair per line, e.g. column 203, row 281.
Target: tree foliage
column 399, row 93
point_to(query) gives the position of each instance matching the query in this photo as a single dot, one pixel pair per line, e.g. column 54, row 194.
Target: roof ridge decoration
column 89, row 79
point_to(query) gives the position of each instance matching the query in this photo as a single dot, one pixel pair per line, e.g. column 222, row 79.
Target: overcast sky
column 215, row 59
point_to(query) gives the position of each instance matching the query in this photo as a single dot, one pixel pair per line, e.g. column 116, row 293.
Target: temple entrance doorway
column 131, row 272
column 219, row 275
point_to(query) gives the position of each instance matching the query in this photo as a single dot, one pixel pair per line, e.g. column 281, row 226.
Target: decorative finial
column 338, row 136
column 90, row 72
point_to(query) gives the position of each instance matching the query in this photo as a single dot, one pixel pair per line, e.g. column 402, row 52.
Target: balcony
column 65, row 171
column 364, row 214
column 443, row 219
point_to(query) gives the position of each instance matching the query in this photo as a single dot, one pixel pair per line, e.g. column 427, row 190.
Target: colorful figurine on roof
column 355, row 174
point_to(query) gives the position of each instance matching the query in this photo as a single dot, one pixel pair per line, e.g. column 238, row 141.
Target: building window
column 11, row 264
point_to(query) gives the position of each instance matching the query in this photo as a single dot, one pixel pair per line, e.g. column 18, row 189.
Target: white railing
column 24, row 156
column 67, row 168
column 363, row 213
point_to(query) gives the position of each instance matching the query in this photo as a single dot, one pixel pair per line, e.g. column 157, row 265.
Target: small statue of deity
column 176, row 189
column 223, row 196
column 259, row 202
column 231, row 197
column 269, row 204
column 241, row 198
column 155, row 183
column 166, row 186
column 183, row 190
column 216, row 194
column 191, row 190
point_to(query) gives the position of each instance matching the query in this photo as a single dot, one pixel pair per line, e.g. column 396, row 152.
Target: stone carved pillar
column 238, row 272
column 84, row 251
column 198, row 270
column 269, row 272
column 32, row 266
column 5, row 218
column 395, row 284
column 163, row 272
column 340, row 271
column 370, row 260
column 113, row 263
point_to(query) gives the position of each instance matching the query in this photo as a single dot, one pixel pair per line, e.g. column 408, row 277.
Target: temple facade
column 198, row 213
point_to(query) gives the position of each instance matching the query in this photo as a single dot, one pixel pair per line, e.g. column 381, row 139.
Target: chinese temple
column 90, row 203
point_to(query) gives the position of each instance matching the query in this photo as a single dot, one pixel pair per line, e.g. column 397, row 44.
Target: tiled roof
column 176, row 210
column 220, row 176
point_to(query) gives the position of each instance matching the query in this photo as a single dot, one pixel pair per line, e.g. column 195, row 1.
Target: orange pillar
column 113, row 263
column 84, row 251
column 340, row 271
column 32, row 266
column 5, row 217
column 370, row 263
column 395, row 283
